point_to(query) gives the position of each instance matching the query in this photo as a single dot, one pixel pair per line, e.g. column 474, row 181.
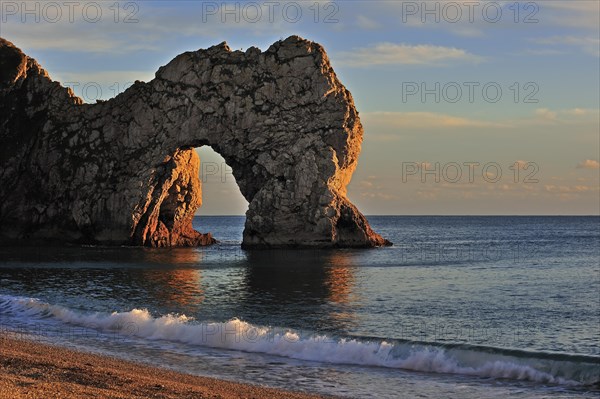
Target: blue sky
column 548, row 51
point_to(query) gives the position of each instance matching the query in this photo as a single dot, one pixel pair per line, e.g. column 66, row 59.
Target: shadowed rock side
column 124, row 171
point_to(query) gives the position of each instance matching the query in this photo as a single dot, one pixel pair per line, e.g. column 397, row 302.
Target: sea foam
column 239, row 335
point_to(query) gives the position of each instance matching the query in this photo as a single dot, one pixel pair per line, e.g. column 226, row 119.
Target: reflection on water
column 172, row 256
column 98, row 256
column 181, row 286
column 289, row 288
column 281, row 277
column 341, row 278
column 300, row 288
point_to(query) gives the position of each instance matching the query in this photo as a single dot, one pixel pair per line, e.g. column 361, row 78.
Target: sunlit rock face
column 125, row 171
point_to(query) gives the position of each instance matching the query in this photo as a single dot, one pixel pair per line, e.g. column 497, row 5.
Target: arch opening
column 178, row 193
column 221, row 195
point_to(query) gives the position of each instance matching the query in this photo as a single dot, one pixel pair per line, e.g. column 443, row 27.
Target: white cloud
column 405, row 54
column 581, row 6
column 74, row 31
column 580, row 111
column 588, row 44
column 422, row 120
column 569, row 189
column 378, row 195
column 545, row 113
column 396, row 126
column 157, row 24
column 589, row 164
column 31, row 37
column 582, row 14
column 574, row 115
column 577, row 14
column 467, row 31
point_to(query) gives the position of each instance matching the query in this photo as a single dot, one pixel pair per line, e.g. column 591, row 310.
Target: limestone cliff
column 124, row 171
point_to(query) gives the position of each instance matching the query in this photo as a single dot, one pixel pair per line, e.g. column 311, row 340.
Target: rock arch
column 125, row 170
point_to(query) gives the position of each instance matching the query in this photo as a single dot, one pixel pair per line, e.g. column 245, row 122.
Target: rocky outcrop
column 124, row 171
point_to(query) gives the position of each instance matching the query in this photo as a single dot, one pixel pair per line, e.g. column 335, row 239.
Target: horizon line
column 438, row 215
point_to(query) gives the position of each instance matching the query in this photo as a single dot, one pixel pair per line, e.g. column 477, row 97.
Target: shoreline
column 33, row 369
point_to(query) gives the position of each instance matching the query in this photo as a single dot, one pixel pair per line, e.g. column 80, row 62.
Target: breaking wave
column 235, row 334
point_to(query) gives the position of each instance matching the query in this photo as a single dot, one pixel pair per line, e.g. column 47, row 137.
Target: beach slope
column 30, row 369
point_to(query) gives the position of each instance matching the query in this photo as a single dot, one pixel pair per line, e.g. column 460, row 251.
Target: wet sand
column 30, row 369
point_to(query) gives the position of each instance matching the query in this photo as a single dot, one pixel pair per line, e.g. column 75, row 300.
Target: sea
column 460, row 307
